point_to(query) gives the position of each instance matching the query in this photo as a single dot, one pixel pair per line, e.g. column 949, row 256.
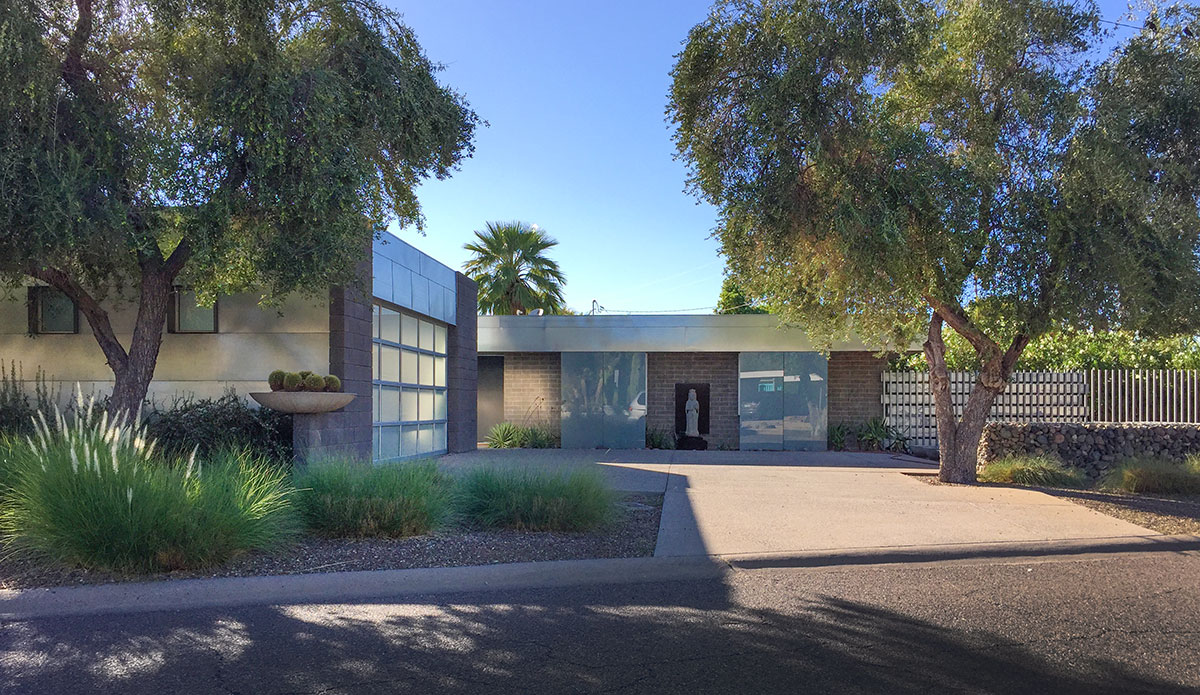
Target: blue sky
column 574, row 93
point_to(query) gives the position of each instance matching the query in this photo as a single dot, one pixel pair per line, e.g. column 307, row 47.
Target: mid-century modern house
column 431, row 377
column 603, row 381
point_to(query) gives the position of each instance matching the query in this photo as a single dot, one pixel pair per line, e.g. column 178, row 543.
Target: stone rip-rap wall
column 1094, row 448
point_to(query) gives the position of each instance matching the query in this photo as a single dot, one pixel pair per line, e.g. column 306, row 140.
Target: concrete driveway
column 733, row 504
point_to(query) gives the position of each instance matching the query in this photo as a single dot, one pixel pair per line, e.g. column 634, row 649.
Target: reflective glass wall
column 603, row 400
column 783, row 400
column 409, row 363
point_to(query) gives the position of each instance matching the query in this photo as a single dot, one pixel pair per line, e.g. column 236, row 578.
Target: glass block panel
column 439, row 437
column 389, row 442
column 190, row 317
column 389, row 363
column 408, row 440
column 439, row 339
column 389, row 325
column 599, row 391
column 408, row 406
column 389, row 404
column 426, row 337
column 408, row 371
column 426, row 370
column 425, row 405
column 408, row 330
column 439, row 405
column 425, row 440
column 439, row 371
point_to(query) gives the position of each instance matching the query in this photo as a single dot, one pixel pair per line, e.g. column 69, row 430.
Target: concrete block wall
column 462, row 368
column 533, row 389
column 346, row 432
column 855, row 386
column 718, row 369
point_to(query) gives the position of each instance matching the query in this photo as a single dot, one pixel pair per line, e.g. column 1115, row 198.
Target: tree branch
column 97, row 317
column 954, row 315
column 74, row 70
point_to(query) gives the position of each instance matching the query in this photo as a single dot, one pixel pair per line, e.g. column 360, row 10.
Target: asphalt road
column 1125, row 623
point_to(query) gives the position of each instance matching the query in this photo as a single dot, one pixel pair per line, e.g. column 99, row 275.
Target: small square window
column 51, row 311
column 187, row 316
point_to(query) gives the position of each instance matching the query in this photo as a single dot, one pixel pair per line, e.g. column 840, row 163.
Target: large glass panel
column 408, row 371
column 375, row 404
column 375, row 362
column 760, row 401
column 408, row 440
column 389, row 442
column 375, row 321
column 408, row 330
column 389, row 363
column 426, row 338
column 439, row 339
column 425, row 405
column 57, row 312
column 389, row 405
column 439, row 437
column 389, row 325
column 599, row 393
column 439, row 371
column 425, row 440
column 804, row 401
column 408, row 406
column 426, row 370
column 190, row 317
column 439, row 405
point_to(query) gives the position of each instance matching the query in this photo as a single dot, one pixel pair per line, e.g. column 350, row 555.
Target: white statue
column 691, row 411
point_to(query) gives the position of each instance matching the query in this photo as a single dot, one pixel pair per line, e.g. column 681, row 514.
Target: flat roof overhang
column 646, row 333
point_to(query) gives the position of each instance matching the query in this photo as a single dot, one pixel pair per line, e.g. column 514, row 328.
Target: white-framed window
column 51, row 312
column 409, row 410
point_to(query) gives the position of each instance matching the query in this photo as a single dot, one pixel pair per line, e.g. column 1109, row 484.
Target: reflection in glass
column 783, row 400
column 804, row 401
column 760, row 402
column 600, row 400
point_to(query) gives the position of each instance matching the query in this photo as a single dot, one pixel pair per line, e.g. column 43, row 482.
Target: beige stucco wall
column 252, row 342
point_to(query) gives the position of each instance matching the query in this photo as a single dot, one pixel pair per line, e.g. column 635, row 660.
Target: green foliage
column 535, row 501
column 344, row 498
column 504, row 435
column 1155, row 476
column 872, row 434
column 514, row 274
column 333, row 384
column 659, row 438
column 733, row 300
column 538, row 437
column 1068, row 349
column 837, row 434
column 16, row 409
column 228, row 423
column 314, row 382
column 293, row 382
column 275, row 379
column 1041, row 471
column 95, row 496
column 255, row 145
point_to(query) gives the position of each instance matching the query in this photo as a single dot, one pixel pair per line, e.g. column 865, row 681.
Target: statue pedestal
column 687, row 443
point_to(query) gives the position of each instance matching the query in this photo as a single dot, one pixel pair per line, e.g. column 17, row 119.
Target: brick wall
column 718, row 369
column 462, row 368
column 855, row 386
column 533, row 388
column 346, row 432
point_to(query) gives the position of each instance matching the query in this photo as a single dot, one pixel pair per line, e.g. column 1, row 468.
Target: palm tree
column 512, row 269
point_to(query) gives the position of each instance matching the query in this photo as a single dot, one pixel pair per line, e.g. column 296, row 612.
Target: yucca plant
column 506, row 435
column 89, row 490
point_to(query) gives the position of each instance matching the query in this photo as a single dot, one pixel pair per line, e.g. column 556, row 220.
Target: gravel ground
column 634, row 535
column 1167, row 514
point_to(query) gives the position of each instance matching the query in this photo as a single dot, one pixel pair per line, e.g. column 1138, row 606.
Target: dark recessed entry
column 681, row 396
column 491, row 394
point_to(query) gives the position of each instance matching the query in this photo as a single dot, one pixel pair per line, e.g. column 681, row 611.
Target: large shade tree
column 227, row 145
column 509, row 262
column 879, row 165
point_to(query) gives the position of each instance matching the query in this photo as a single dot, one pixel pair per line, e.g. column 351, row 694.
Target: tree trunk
column 958, row 439
column 132, row 381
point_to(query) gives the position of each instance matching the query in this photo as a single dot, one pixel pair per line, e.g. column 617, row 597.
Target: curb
column 1011, row 550
column 339, row 587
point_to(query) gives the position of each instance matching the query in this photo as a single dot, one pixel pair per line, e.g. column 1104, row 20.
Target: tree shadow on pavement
column 667, row 637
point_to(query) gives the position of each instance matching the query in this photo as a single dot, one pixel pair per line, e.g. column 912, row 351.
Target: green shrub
column 216, row 424
column 535, row 501
column 347, row 498
column 292, row 382
column 837, row 434
column 16, row 409
column 659, row 438
column 538, row 437
column 333, row 384
column 275, row 379
column 1040, row 471
column 872, row 433
column 1156, row 476
column 505, row 435
column 95, row 495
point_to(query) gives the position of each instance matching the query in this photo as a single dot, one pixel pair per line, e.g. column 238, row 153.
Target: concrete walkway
column 755, row 503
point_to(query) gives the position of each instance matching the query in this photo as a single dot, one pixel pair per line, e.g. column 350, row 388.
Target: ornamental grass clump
column 344, row 498
column 1155, row 476
column 90, row 491
column 1039, row 471
column 535, row 501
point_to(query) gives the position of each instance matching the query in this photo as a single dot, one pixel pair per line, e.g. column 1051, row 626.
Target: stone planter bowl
column 303, row 402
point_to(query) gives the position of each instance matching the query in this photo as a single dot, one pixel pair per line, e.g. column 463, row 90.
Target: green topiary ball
column 333, row 384
column 305, row 374
column 314, row 382
column 275, row 379
column 292, row 382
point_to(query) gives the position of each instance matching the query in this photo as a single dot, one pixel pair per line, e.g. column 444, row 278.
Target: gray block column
column 462, row 368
